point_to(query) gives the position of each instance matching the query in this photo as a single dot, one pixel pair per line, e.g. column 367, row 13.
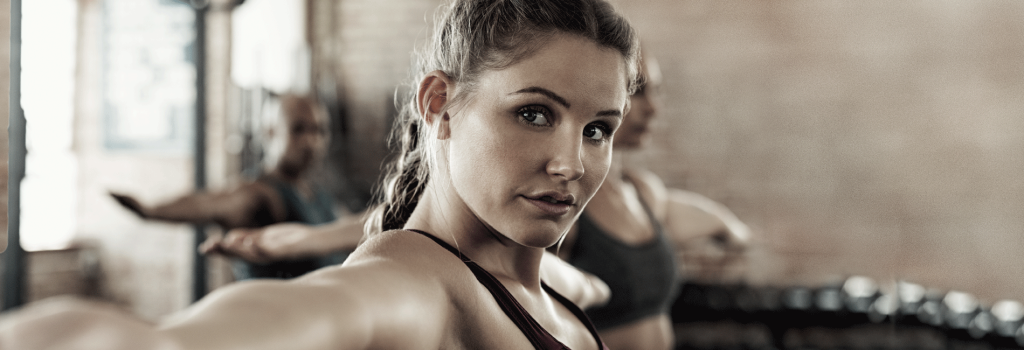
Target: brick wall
column 864, row 137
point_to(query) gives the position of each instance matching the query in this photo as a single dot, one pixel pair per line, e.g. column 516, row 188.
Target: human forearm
column 343, row 234
column 692, row 216
column 289, row 240
column 192, row 208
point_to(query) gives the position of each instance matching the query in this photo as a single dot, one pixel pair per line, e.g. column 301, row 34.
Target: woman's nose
column 567, row 160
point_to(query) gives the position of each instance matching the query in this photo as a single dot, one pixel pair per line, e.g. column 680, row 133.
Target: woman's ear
column 432, row 100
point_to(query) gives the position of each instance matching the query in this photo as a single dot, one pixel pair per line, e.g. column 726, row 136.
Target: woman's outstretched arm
column 692, row 216
column 371, row 305
column 710, row 241
column 708, row 238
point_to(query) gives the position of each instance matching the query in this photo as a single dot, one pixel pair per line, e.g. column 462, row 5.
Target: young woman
column 507, row 138
column 632, row 228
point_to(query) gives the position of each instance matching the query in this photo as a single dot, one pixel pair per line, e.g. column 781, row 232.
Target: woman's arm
column 365, row 306
column 707, row 237
column 692, row 216
column 289, row 240
column 583, row 289
column 710, row 241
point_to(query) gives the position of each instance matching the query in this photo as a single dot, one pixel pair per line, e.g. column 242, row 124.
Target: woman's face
column 533, row 141
column 645, row 103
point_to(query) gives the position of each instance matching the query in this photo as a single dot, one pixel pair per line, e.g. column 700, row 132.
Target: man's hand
column 243, row 243
column 130, row 203
column 260, row 245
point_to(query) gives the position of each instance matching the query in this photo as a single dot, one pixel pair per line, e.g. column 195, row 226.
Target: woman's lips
column 552, row 209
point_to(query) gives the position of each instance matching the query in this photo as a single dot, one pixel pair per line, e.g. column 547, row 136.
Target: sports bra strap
column 443, row 244
column 538, row 336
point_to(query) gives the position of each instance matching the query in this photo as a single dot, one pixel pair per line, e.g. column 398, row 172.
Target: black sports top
column 642, row 278
column 317, row 210
column 538, row 336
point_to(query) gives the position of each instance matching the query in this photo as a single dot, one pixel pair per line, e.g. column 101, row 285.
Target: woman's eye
column 595, row 132
column 534, row 115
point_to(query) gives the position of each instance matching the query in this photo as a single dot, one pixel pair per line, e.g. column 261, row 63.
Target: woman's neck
column 443, row 214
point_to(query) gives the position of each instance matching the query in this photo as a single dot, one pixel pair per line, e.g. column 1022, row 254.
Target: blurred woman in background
column 630, row 232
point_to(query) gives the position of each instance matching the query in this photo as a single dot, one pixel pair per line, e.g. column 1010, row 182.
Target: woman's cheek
column 596, row 169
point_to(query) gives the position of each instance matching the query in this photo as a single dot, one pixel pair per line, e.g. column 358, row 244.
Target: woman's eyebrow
column 550, row 94
column 610, row 113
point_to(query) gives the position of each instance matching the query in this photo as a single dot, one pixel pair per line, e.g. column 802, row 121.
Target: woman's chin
column 542, row 240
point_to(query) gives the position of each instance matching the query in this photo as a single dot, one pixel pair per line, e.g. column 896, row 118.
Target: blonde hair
column 472, row 36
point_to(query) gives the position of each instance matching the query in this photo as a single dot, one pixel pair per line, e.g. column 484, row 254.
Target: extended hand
column 130, row 203
column 240, row 242
column 261, row 245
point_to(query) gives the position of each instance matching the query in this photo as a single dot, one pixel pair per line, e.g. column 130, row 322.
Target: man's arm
column 235, row 208
column 289, row 240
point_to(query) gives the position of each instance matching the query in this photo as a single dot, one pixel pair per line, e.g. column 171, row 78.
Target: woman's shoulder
column 401, row 245
column 404, row 254
column 651, row 190
column 399, row 278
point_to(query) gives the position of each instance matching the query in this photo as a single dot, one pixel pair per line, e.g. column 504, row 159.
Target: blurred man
column 297, row 142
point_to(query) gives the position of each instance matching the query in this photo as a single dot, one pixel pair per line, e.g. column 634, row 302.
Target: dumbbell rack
column 854, row 314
